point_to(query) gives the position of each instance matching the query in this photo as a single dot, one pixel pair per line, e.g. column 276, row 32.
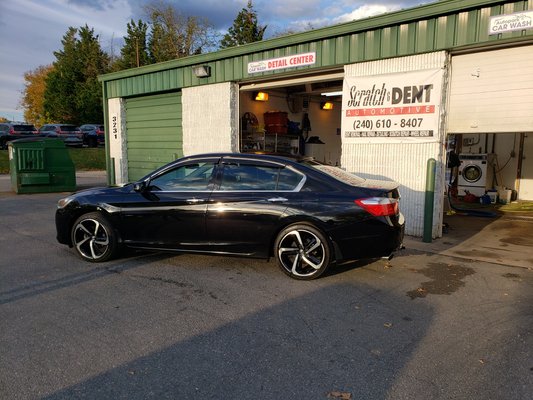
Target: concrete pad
column 505, row 240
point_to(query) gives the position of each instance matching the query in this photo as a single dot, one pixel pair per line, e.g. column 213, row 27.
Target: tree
column 292, row 31
column 134, row 53
column 174, row 35
column 73, row 93
column 245, row 29
column 33, row 95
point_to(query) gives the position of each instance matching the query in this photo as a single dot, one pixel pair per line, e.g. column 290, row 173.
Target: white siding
column 210, row 118
column 492, row 92
column 405, row 163
column 117, row 140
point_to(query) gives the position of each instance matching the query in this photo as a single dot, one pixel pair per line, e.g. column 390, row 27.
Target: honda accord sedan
column 307, row 215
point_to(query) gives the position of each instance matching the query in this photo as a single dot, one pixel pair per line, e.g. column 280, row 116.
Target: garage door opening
column 300, row 116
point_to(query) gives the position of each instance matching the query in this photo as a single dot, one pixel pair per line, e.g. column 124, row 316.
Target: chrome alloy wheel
column 91, row 239
column 303, row 252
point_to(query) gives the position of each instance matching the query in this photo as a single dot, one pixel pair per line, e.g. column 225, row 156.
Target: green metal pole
column 429, row 202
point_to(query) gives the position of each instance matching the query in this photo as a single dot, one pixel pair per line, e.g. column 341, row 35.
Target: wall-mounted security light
column 327, row 105
column 261, row 96
column 201, row 71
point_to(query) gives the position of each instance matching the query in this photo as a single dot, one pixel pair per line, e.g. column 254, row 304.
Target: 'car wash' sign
column 511, row 22
column 297, row 60
column 403, row 106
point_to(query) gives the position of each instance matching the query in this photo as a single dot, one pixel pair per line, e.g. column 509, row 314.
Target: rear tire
column 93, row 238
column 302, row 251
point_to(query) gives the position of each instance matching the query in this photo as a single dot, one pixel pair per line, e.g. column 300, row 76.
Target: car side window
column 288, row 179
column 240, row 176
column 189, row 177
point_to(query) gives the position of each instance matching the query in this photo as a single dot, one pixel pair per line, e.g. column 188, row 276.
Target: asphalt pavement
column 427, row 324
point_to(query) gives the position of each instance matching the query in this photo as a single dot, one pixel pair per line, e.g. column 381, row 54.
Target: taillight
column 379, row 206
column 11, row 131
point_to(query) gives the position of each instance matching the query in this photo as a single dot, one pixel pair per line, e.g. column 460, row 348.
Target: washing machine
column 476, row 173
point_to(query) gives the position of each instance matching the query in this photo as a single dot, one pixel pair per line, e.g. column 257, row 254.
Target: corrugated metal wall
column 210, row 118
column 154, row 134
column 442, row 25
column 405, row 163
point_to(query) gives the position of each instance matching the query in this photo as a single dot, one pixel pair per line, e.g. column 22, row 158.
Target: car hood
column 103, row 190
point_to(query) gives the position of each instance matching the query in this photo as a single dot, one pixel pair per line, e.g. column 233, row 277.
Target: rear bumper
column 370, row 239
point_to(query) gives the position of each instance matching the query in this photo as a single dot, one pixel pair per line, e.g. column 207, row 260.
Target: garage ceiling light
column 327, row 105
column 261, row 96
column 329, row 94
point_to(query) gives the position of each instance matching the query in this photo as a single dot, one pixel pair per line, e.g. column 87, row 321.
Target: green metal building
column 405, row 87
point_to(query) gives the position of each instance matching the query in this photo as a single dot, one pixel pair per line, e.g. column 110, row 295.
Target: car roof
column 16, row 123
column 255, row 156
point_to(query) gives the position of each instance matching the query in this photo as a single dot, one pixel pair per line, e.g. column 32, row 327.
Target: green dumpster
column 39, row 165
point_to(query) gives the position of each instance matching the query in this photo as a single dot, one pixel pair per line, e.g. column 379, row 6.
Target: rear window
column 337, row 173
column 23, row 127
column 68, row 128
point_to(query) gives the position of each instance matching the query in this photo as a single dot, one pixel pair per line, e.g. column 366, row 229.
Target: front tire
column 303, row 252
column 93, row 238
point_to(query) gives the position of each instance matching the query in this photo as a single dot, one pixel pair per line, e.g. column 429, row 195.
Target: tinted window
column 190, row 177
column 258, row 177
column 68, row 128
column 288, row 179
column 4, row 128
column 23, row 127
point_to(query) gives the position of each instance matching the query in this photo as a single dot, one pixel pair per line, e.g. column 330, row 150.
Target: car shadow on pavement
column 354, row 345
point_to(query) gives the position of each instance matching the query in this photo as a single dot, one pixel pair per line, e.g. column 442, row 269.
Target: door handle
column 277, row 199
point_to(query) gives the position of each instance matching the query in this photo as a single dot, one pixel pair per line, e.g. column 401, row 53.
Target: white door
column 492, row 92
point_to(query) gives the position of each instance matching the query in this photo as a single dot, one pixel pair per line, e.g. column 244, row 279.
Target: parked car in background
column 70, row 134
column 93, row 135
column 11, row 131
column 305, row 214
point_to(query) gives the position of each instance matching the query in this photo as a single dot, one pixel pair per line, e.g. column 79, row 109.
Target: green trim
column 444, row 25
column 394, row 18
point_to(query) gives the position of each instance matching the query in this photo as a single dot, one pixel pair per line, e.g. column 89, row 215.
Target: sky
column 31, row 30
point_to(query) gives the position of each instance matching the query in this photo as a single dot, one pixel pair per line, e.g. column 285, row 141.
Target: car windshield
column 335, row 172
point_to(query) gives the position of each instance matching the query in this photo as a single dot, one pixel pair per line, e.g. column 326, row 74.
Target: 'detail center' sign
column 297, row 60
column 405, row 106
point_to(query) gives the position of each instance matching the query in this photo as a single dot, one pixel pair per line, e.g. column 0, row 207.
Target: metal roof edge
column 430, row 10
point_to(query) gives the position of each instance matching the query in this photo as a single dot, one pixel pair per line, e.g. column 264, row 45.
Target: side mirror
column 139, row 187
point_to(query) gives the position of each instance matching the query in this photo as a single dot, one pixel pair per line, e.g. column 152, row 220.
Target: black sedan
column 306, row 214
